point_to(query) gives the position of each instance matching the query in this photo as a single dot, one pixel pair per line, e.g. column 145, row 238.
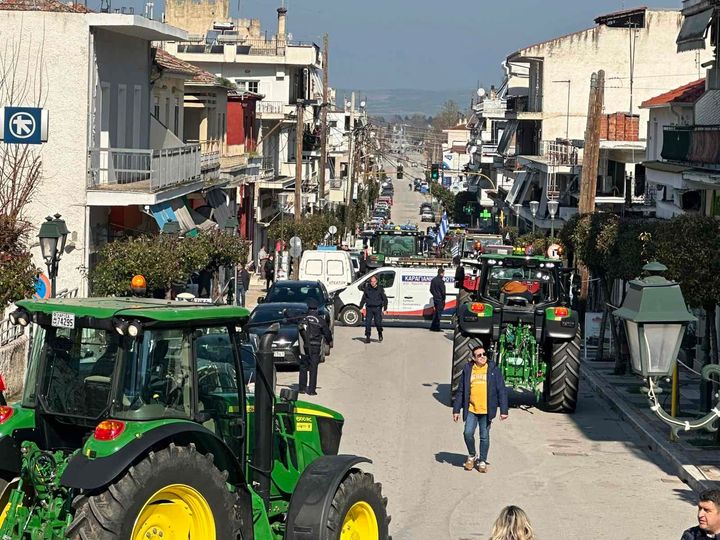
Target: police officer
column 376, row 301
column 313, row 328
column 437, row 290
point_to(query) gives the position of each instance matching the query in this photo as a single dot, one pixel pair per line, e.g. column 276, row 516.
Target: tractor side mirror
column 288, row 394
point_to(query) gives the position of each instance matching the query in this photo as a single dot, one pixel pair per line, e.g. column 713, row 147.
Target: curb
column 668, row 451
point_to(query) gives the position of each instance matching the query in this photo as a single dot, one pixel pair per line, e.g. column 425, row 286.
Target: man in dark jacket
column 243, row 284
column 480, row 392
column 437, row 290
column 269, row 271
column 376, row 301
column 708, row 516
column 314, row 332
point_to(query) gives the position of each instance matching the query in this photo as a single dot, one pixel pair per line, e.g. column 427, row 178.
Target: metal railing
column 270, row 107
column 9, row 332
column 336, row 183
column 492, row 106
column 210, row 152
column 698, row 145
column 560, row 153
column 160, row 168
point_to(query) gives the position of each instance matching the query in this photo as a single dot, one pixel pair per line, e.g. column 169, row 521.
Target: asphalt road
column 406, row 203
column 578, row 476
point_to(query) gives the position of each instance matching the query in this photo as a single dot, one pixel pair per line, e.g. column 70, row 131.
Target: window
column 137, row 109
column 166, row 118
column 176, row 118
column 156, row 107
column 241, row 85
column 332, row 123
column 520, row 285
column 386, row 279
column 121, row 115
column 253, row 86
column 335, row 268
column 313, row 267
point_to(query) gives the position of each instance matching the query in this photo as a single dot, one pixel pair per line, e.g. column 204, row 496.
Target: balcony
column 228, row 47
column 267, row 167
column 119, row 169
column 270, row 109
column 209, row 155
column 698, row 146
column 491, row 108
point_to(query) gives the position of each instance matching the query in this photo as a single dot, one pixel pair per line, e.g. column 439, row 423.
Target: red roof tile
column 688, row 93
column 42, row 5
column 168, row 62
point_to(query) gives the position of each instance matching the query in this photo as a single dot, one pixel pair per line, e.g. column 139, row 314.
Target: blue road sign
column 23, row 125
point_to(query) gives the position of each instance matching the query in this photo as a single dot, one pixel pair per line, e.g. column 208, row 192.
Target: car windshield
column 520, row 286
column 396, row 245
column 294, row 293
column 266, row 315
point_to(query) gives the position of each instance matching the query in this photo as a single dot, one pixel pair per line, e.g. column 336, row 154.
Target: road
column 583, row 475
column 406, row 203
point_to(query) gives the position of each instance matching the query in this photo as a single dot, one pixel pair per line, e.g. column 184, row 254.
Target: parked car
column 427, row 216
column 286, row 344
column 302, row 291
column 425, row 207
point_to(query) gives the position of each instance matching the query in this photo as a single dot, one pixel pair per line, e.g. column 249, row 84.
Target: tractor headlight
column 20, row 316
column 121, row 326
column 134, row 329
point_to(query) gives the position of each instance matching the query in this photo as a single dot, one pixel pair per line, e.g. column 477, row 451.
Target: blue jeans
column 472, row 422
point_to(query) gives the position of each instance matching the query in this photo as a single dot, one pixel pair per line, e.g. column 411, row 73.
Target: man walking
column 708, row 516
column 269, row 271
column 480, row 392
column 376, row 301
column 437, row 290
column 314, row 332
column 243, row 284
column 262, row 259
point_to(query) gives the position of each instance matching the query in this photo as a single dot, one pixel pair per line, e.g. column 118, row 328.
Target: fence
column 560, row 153
column 9, row 332
column 161, row 168
column 270, row 107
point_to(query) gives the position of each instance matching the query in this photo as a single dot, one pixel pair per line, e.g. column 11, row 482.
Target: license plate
column 63, row 320
column 279, row 354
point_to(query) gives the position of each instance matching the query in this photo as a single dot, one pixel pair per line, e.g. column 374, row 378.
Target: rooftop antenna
column 105, row 6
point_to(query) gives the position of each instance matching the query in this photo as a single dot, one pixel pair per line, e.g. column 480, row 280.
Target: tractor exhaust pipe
column 262, row 457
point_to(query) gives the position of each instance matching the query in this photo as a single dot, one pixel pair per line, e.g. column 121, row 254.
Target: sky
column 430, row 44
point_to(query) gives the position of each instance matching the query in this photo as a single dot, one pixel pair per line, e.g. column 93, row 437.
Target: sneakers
column 311, row 393
column 481, row 467
column 469, row 463
column 367, row 339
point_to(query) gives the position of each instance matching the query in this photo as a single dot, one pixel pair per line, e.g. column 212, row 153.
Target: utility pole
column 351, row 163
column 588, row 180
column 299, row 130
column 324, row 129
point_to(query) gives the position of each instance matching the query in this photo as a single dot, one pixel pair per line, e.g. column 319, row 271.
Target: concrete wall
column 273, row 79
column 169, row 88
column 41, row 39
column 196, row 16
column 658, row 68
column 12, row 367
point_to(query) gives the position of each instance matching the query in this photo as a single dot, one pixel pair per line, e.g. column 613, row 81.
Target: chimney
column 282, row 16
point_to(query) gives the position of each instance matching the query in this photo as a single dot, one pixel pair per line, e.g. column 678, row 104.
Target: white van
column 407, row 290
column 333, row 268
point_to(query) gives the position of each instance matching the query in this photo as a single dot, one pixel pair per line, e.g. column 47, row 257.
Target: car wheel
column 350, row 316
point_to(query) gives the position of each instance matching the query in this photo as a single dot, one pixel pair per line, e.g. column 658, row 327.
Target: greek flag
column 455, row 249
column 442, row 230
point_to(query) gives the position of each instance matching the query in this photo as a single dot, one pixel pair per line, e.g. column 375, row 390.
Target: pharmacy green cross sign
column 485, row 214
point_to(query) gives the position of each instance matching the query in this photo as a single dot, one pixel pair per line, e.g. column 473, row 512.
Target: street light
column 517, row 207
column 552, row 210
column 53, row 234
column 534, row 205
column 656, row 316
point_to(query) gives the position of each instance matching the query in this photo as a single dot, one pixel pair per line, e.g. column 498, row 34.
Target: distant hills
column 405, row 101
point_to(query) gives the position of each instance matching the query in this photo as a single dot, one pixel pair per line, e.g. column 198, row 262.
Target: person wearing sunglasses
column 480, row 393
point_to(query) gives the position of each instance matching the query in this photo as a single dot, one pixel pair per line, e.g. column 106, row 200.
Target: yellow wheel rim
column 4, row 513
column 176, row 512
column 360, row 523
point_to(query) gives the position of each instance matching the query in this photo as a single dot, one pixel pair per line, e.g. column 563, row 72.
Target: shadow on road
column 441, row 393
column 451, row 458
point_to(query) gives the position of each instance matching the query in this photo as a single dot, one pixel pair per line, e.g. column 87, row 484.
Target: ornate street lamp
column 656, row 316
column 534, row 205
column 517, row 207
column 552, row 210
column 52, row 235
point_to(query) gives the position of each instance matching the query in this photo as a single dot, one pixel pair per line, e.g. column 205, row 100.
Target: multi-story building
column 110, row 167
column 683, row 158
column 287, row 73
column 540, row 151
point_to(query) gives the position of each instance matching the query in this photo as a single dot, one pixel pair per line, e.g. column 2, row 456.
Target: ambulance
column 407, row 290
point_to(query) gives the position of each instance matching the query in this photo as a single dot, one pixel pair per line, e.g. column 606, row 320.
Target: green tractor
column 139, row 421
column 517, row 306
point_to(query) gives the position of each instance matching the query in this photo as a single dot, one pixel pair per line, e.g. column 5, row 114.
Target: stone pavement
column 257, row 289
column 694, row 458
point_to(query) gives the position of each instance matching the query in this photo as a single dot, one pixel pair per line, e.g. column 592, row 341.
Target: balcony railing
column 492, row 106
column 696, row 145
column 336, row 183
column 158, row 169
column 269, row 107
column 560, row 154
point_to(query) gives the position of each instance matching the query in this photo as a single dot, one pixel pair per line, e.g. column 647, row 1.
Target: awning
column 517, row 185
column 221, row 213
column 694, row 31
column 508, row 132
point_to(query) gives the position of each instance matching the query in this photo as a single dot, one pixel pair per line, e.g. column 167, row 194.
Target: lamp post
column 655, row 317
column 552, row 210
column 53, row 234
column 534, row 205
column 517, row 207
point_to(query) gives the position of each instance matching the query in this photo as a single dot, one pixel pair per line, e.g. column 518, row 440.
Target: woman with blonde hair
column 512, row 524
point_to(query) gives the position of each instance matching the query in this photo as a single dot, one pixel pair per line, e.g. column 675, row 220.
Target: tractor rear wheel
column 560, row 390
column 462, row 353
column 358, row 510
column 174, row 493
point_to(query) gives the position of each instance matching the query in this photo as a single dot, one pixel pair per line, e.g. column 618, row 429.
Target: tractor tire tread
column 462, row 346
column 358, row 486
column 562, row 385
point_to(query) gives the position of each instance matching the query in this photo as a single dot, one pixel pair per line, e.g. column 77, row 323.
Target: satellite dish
column 481, row 92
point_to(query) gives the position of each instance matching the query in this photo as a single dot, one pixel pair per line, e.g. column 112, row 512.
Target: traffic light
column 434, row 171
column 399, row 172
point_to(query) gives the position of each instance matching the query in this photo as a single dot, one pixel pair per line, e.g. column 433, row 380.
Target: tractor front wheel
column 358, row 510
column 461, row 355
column 560, row 390
column 174, row 493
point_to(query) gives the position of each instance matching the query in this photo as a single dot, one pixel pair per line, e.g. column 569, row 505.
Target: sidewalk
column 695, row 464
column 257, row 289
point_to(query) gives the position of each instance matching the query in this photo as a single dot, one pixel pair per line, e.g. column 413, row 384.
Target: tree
column 448, row 117
column 311, row 229
column 446, row 198
column 17, row 272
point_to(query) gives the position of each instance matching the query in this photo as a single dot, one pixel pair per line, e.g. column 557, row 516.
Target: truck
column 518, row 308
column 136, row 423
